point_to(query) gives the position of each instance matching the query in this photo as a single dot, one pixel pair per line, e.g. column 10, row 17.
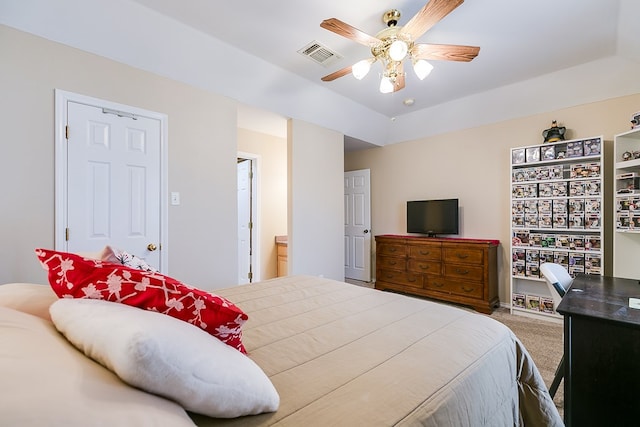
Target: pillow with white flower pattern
column 72, row 276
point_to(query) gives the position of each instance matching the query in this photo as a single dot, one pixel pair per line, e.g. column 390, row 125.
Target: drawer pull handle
column 467, row 289
column 392, row 263
column 392, row 249
column 438, row 285
column 425, row 252
column 389, row 276
column 412, row 280
column 461, row 271
column 462, row 256
column 425, row 267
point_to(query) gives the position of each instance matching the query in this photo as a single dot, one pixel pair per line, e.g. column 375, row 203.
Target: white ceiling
column 518, row 39
column 248, row 51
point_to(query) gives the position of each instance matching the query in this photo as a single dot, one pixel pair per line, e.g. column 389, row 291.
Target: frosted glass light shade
column 422, row 68
column 398, row 50
column 361, row 69
column 386, row 85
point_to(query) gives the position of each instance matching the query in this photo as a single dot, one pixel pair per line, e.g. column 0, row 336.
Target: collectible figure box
column 592, row 188
column 546, row 256
column 576, row 188
column 592, row 243
column 575, row 149
column 518, row 300
column 533, row 154
column 533, row 302
column 517, row 221
column 517, row 156
column 576, row 221
column 592, row 206
column 535, row 240
column 546, row 305
column 592, row 147
column 521, row 238
column 592, row 221
column 592, row 264
column 561, row 258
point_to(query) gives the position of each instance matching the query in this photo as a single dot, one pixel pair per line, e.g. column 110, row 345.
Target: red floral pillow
column 72, row 276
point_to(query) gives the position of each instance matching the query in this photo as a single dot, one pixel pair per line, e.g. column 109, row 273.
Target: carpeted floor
column 543, row 339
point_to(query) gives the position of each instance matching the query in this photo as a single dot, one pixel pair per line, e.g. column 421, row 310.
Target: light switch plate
column 175, row 198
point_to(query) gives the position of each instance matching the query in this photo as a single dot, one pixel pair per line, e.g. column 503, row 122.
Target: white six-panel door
column 357, row 225
column 113, row 181
column 244, row 219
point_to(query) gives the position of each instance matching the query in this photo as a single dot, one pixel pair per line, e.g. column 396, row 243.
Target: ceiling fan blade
column 428, row 16
column 445, row 52
column 337, row 74
column 345, row 30
column 399, row 83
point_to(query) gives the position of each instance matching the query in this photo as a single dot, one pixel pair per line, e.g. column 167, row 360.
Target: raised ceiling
column 518, row 40
column 535, row 56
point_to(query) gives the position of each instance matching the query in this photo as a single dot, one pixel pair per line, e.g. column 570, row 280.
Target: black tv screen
column 432, row 217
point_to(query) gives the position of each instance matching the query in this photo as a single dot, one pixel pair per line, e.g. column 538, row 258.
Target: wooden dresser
column 282, row 257
column 462, row 271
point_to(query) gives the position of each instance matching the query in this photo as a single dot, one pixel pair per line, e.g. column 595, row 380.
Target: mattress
column 345, row 355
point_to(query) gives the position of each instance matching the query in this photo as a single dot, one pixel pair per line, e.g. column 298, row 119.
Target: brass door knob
column 151, row 247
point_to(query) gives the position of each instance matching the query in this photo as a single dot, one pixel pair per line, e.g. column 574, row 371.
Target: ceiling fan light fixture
column 422, row 68
column 398, row 50
column 386, row 85
column 361, row 68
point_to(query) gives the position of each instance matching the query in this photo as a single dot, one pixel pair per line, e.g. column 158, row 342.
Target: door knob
column 366, row 231
column 151, row 247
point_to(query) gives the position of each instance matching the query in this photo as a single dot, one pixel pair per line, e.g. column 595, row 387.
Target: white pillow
column 166, row 356
column 45, row 381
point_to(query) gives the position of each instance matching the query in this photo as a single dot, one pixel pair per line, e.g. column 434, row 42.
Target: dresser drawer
column 400, row 278
column 469, row 289
column 463, row 271
column 391, row 262
column 426, row 267
column 391, row 249
column 463, row 255
column 425, row 252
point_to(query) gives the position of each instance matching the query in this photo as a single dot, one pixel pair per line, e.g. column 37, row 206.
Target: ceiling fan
column 396, row 43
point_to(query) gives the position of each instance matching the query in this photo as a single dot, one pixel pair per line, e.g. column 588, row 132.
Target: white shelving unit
column 557, row 215
column 626, row 239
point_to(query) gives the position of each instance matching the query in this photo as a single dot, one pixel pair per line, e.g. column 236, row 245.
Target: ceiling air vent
column 319, row 53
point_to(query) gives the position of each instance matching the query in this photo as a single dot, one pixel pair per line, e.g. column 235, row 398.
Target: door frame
column 63, row 97
column 256, row 241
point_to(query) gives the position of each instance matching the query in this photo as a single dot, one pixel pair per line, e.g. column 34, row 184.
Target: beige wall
column 202, row 146
column 272, row 187
column 202, row 152
column 473, row 165
column 315, row 200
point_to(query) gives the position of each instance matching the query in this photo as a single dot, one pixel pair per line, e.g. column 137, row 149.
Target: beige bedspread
column 344, row 355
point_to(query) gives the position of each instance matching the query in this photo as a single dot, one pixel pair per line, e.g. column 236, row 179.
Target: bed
column 344, row 355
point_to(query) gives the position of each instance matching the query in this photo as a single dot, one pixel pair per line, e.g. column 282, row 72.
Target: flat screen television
column 432, row 217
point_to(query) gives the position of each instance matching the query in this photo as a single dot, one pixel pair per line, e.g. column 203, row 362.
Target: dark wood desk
column 602, row 352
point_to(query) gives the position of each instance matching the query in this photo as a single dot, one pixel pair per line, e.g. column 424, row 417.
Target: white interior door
column 357, row 225
column 113, row 182
column 244, row 221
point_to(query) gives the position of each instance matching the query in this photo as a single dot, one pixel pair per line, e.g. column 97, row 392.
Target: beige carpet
column 542, row 339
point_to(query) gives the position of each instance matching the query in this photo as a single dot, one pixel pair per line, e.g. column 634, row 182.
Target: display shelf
column 556, row 216
column 626, row 209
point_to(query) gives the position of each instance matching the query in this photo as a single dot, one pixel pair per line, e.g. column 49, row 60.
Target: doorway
column 357, row 225
column 111, row 178
column 248, row 227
